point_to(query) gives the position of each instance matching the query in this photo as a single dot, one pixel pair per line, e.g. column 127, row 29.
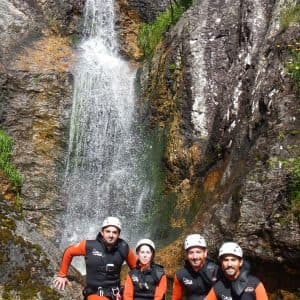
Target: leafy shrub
column 150, row 34
column 293, row 65
column 293, row 164
column 290, row 16
column 8, row 169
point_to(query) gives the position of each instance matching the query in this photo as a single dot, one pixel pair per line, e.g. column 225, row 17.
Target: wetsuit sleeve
column 260, row 292
column 161, row 289
column 177, row 289
column 128, row 289
column 211, row 295
column 73, row 250
column 131, row 259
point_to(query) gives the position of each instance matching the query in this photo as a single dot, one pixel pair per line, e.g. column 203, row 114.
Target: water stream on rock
column 103, row 174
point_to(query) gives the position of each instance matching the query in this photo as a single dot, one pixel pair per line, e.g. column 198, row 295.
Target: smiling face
column 144, row 254
column 231, row 266
column 196, row 257
column 110, row 235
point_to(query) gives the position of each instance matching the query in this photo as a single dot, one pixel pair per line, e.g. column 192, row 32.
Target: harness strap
column 111, row 293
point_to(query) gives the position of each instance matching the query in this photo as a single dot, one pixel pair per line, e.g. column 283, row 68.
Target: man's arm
column 260, row 292
column 177, row 289
column 61, row 280
column 161, row 289
column 131, row 259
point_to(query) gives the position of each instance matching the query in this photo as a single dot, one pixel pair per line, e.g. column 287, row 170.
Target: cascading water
column 103, row 168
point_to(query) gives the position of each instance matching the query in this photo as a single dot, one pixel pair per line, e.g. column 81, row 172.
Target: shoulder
column 158, row 271
column 253, row 281
column 133, row 271
column 157, row 266
column 91, row 243
column 122, row 244
column 212, row 270
column 183, row 272
column 211, row 263
column 123, row 247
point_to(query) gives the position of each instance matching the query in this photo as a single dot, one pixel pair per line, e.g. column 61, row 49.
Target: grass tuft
column 150, row 34
column 6, row 166
column 290, row 16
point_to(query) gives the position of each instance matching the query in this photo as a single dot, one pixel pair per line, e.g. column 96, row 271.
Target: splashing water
column 103, row 174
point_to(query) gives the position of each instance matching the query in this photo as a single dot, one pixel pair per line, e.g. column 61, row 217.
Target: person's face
column 110, row 235
column 144, row 254
column 196, row 257
column 231, row 266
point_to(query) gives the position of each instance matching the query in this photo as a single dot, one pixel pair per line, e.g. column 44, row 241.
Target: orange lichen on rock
column 171, row 257
column 211, row 181
column 44, row 133
column 6, row 189
column 130, row 24
column 51, row 53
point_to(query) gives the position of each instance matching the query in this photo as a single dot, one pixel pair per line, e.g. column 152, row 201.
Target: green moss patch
column 6, row 166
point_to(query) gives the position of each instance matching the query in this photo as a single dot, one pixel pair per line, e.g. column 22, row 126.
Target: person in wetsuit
column 236, row 283
column 104, row 258
column 148, row 280
column 199, row 273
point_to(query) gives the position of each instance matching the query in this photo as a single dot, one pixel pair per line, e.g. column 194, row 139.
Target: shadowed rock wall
column 216, row 90
column 218, row 87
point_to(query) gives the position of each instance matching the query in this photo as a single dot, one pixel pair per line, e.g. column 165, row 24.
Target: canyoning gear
column 103, row 266
column 194, row 240
column 110, row 293
column 245, row 287
column 80, row 250
column 96, row 297
column 112, row 221
column 145, row 242
column 231, row 248
column 145, row 283
column 251, row 289
column 193, row 284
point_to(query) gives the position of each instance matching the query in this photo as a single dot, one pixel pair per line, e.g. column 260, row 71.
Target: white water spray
column 103, row 174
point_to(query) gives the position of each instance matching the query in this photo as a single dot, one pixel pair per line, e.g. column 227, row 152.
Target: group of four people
column 200, row 278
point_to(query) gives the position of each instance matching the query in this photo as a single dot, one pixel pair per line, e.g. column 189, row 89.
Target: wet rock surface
column 218, row 92
column 219, row 88
column 36, row 92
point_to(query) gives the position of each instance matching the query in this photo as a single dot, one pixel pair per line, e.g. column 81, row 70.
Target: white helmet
column 231, row 248
column 112, row 221
column 145, row 242
column 194, row 240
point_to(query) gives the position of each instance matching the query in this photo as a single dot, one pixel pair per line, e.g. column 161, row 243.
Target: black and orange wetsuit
column 103, row 265
column 195, row 285
column 145, row 283
column 248, row 288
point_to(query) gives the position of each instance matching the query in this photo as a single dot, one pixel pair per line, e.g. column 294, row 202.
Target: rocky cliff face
column 218, row 87
column 36, row 90
column 217, row 92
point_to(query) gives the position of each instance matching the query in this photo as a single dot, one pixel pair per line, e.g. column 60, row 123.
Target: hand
column 61, row 282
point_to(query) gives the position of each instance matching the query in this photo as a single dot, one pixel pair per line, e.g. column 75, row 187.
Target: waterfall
column 103, row 174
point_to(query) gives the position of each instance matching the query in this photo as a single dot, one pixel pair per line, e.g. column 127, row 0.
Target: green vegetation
column 8, row 169
column 150, row 34
column 290, row 16
column 293, row 66
column 162, row 204
column 293, row 164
